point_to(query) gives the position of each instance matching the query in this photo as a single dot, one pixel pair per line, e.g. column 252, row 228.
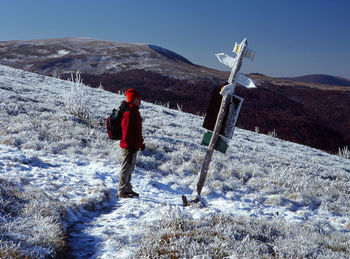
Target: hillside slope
column 266, row 197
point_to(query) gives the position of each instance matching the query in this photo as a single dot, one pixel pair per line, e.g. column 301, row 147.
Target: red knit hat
column 132, row 94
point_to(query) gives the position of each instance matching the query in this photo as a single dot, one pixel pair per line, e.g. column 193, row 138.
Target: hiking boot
column 125, row 195
column 134, row 194
column 131, row 194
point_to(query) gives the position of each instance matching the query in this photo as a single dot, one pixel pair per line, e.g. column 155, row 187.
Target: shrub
column 272, row 134
column 77, row 101
column 344, row 152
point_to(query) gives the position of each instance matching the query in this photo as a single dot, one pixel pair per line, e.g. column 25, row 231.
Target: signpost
column 231, row 116
column 227, row 92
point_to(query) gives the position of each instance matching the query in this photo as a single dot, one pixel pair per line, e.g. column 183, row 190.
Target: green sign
column 220, row 145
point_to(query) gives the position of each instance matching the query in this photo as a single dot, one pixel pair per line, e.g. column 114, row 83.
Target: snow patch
column 60, row 53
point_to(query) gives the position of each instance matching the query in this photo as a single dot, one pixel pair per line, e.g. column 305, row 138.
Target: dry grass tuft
column 31, row 224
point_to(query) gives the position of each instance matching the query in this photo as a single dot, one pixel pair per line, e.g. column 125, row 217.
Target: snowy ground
column 73, row 162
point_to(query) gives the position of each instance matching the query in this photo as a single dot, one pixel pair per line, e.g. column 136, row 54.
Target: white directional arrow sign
column 225, row 59
column 228, row 89
column 247, row 53
column 245, row 81
column 239, row 77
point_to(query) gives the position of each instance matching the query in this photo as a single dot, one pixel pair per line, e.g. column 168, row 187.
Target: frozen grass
column 344, row 152
column 307, row 187
column 30, row 223
column 223, row 236
column 77, row 101
column 271, row 133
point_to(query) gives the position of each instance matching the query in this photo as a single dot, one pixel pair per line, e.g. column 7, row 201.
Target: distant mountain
column 310, row 113
column 54, row 57
column 320, row 79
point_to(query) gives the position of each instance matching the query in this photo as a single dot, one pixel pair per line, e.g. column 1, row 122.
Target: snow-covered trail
column 117, row 228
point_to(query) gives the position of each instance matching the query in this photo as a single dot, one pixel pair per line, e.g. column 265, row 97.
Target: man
column 131, row 142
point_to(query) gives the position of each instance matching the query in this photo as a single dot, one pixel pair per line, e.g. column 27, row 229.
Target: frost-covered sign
column 233, row 108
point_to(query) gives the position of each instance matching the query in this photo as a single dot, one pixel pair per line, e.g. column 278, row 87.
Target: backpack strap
column 123, row 106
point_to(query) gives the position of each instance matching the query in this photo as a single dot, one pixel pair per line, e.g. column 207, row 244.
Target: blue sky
column 290, row 37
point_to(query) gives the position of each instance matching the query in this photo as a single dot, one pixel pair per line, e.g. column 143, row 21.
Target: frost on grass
column 344, row 152
column 77, row 100
column 29, row 223
column 257, row 176
column 51, row 122
column 220, row 236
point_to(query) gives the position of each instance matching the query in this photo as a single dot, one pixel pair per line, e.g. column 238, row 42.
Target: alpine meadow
column 266, row 198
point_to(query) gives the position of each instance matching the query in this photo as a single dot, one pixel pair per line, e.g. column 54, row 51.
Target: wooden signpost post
column 227, row 91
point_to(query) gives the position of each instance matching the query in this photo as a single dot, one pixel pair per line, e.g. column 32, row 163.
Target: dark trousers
column 128, row 165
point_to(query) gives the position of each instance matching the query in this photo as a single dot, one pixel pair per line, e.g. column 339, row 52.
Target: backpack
column 113, row 122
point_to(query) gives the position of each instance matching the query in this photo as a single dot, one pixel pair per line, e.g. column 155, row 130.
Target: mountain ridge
column 39, row 55
column 54, row 57
column 320, row 79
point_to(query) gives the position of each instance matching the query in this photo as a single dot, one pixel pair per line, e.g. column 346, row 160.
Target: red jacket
column 132, row 128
